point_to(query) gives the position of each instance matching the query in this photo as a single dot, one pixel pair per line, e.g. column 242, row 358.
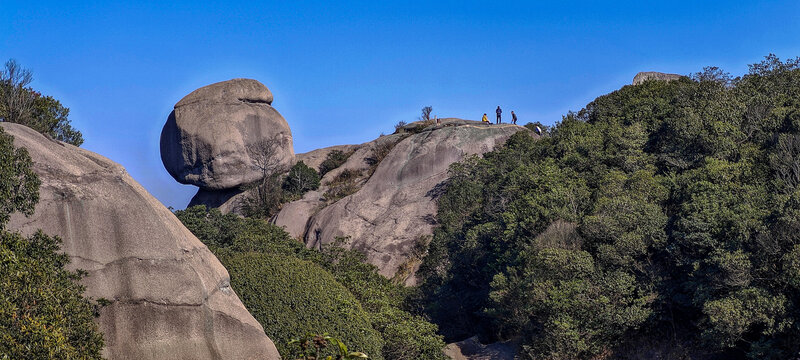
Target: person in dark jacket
column 513, row 118
column 498, row 111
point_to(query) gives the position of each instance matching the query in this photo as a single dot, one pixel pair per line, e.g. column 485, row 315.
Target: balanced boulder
column 223, row 135
column 168, row 295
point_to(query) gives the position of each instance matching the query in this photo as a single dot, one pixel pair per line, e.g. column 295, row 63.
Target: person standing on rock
column 513, row 118
column 484, row 119
column 498, row 111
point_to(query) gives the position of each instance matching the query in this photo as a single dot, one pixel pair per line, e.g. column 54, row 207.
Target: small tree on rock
column 301, row 178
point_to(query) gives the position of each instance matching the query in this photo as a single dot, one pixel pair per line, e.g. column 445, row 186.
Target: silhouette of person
column 498, row 111
column 513, row 118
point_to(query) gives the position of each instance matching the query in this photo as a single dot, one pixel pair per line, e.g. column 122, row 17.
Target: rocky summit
column 654, row 75
column 168, row 295
column 216, row 136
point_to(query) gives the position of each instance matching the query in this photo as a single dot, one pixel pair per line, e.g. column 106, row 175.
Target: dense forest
column 661, row 219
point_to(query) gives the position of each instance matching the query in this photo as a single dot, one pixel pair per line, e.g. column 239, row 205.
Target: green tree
column 300, row 179
column 23, row 105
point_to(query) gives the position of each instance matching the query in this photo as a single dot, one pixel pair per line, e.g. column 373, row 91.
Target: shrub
column 300, row 179
column 334, row 159
column 426, row 113
column 292, row 297
column 345, row 183
column 43, row 314
column 379, row 152
column 23, row 105
column 385, row 302
column 263, row 198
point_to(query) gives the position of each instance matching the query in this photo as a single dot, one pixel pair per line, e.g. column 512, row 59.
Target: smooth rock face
column 654, row 75
column 397, row 206
column 170, row 297
column 209, row 138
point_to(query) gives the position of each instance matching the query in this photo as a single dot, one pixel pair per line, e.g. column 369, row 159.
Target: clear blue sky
column 345, row 71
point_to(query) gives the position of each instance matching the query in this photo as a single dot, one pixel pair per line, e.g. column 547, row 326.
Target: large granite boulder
column 396, row 207
column 170, row 298
column 654, row 75
column 216, row 136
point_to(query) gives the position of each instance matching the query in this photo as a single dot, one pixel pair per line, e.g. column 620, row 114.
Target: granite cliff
column 169, row 297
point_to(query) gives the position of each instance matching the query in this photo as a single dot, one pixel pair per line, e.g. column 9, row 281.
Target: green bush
column 300, row 179
column 292, row 297
column 345, row 183
column 43, row 314
column 23, row 105
column 401, row 331
column 334, row 159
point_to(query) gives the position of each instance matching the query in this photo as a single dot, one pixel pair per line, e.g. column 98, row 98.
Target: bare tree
column 263, row 198
column 16, row 100
column 266, row 155
column 426, row 113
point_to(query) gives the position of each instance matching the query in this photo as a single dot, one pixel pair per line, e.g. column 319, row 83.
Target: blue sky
column 345, row 71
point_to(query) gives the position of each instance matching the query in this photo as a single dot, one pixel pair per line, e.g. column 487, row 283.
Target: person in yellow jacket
column 484, row 119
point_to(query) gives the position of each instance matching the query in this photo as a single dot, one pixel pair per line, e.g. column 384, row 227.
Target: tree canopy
column 662, row 215
column 21, row 104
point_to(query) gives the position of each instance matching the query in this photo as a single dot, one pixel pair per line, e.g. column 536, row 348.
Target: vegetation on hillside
column 43, row 314
column 661, row 216
column 20, row 104
column 293, row 291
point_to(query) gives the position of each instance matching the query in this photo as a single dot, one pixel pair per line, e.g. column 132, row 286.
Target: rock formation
column 389, row 205
column 472, row 349
column 396, row 206
column 169, row 296
column 654, row 75
column 215, row 136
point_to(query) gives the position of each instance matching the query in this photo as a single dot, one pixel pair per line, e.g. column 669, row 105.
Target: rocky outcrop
column 472, row 349
column 653, row 75
column 170, row 298
column 396, row 208
column 215, row 136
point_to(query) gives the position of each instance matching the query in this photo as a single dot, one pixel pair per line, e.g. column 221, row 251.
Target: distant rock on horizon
column 654, row 75
column 169, row 297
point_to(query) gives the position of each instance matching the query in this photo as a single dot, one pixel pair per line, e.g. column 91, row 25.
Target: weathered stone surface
column 315, row 158
column 226, row 200
column 170, row 297
column 208, row 139
column 472, row 349
column 395, row 207
column 654, row 75
column 294, row 216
